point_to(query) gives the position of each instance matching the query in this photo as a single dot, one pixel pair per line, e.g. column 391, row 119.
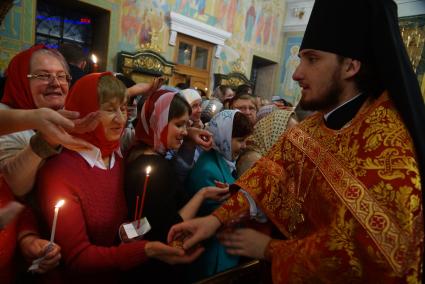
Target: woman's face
column 177, row 131
column 113, row 116
column 196, row 110
column 238, row 145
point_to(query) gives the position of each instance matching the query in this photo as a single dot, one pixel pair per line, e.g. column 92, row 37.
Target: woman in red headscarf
column 90, row 183
column 162, row 127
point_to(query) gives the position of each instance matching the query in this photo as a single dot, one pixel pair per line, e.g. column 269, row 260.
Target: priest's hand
column 194, row 230
column 33, row 247
column 245, row 242
column 171, row 255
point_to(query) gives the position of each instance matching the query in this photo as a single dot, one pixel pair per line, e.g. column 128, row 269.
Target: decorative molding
column 233, row 79
column 196, row 29
column 145, row 62
column 297, row 15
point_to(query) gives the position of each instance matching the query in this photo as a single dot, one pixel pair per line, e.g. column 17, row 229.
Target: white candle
column 55, row 219
column 94, row 60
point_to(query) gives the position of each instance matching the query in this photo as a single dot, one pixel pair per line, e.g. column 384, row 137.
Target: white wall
column 410, row 7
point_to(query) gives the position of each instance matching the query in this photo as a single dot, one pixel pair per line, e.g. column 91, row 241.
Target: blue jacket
column 210, row 167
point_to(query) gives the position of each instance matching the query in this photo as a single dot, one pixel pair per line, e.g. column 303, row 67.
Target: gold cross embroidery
column 295, row 216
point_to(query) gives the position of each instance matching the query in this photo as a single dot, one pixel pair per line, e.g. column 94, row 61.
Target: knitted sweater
column 87, row 225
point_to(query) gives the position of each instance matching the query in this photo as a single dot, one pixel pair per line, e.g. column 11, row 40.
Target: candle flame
column 148, row 169
column 94, row 58
column 213, row 108
column 60, row 203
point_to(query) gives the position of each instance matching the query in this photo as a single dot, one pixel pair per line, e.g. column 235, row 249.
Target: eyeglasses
column 48, row 77
column 113, row 112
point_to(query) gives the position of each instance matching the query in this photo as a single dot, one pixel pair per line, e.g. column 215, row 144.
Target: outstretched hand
column 171, row 255
column 55, row 125
column 85, row 124
column 196, row 230
column 215, row 193
column 145, row 89
column 201, row 137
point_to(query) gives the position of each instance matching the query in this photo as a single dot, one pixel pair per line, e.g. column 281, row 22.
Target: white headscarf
column 191, row 95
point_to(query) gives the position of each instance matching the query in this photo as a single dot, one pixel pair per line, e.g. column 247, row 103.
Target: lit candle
column 94, row 60
column 145, row 185
column 55, row 219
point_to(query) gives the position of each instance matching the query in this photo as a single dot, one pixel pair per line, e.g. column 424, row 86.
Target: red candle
column 145, row 185
column 136, row 213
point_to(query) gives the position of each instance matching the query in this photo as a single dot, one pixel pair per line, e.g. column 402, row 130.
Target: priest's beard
column 330, row 97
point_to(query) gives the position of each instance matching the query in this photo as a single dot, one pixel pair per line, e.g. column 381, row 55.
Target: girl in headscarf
column 188, row 153
column 90, row 182
column 230, row 129
column 162, row 127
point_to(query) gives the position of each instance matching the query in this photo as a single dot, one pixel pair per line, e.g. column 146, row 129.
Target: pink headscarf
column 152, row 128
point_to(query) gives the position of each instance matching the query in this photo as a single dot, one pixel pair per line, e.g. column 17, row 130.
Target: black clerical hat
column 340, row 27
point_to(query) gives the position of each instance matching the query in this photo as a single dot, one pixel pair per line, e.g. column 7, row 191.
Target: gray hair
column 53, row 53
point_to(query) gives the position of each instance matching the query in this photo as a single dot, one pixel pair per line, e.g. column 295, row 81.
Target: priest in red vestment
column 344, row 187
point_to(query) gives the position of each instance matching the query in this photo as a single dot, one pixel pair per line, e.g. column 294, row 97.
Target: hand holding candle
column 50, row 250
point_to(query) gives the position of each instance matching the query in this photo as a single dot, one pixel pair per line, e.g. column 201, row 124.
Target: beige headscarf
column 268, row 130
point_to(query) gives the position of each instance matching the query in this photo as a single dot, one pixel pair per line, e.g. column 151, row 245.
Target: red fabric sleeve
column 233, row 209
column 27, row 223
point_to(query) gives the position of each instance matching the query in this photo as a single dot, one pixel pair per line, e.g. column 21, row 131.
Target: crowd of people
column 193, row 187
